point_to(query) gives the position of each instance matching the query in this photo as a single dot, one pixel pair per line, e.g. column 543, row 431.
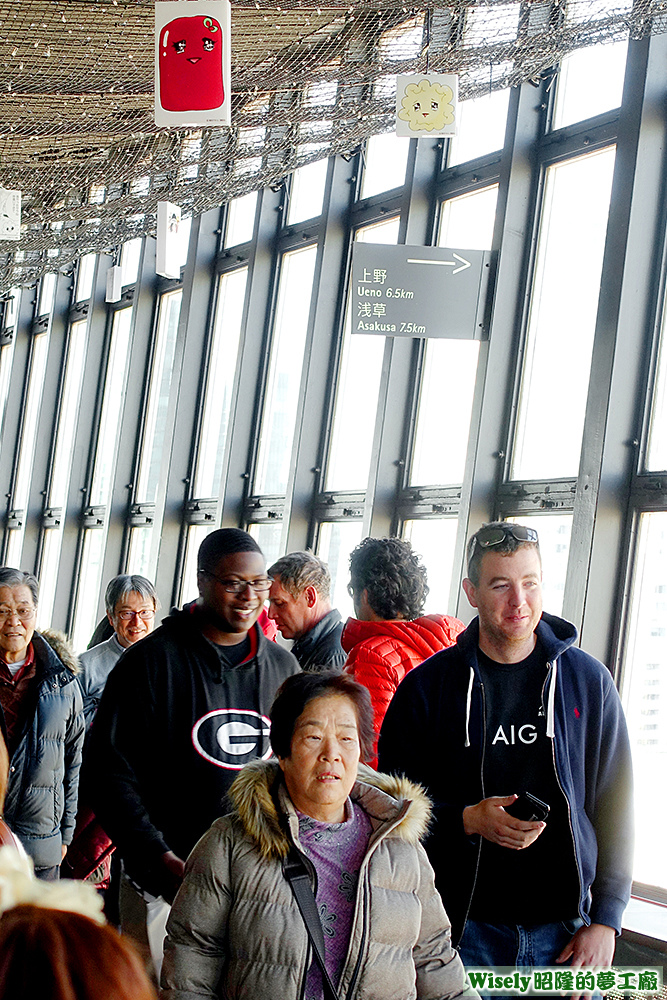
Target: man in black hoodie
column 182, row 712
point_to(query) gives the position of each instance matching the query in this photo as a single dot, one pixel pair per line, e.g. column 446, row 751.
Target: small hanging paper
column 168, row 249
column 426, row 104
column 192, row 62
column 10, row 214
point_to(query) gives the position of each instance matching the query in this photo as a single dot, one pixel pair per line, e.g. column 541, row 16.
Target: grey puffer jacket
column 44, row 770
column 235, row 930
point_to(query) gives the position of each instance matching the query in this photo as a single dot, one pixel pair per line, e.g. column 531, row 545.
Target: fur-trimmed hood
column 263, row 808
column 60, row 645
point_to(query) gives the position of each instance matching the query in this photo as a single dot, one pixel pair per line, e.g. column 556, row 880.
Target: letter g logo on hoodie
column 230, row 737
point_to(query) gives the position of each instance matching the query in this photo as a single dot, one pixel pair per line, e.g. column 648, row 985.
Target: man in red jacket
column 388, row 638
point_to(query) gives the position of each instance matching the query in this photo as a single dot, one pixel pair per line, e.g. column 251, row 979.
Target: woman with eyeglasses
column 43, row 725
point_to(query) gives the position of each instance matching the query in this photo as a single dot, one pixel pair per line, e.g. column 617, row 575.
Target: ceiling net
column 78, row 139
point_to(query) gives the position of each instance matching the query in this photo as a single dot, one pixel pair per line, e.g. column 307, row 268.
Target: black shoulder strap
column 296, row 874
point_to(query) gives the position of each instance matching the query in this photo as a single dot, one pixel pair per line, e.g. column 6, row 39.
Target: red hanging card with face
column 192, row 62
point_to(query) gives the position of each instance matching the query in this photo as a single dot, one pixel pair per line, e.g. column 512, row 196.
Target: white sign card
column 426, row 104
column 193, row 62
column 10, row 214
column 167, row 250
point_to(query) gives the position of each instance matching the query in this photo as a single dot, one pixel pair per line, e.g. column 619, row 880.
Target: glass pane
column 579, row 94
column 386, row 158
column 139, row 556
column 85, row 273
column 6, row 358
column 656, row 457
column 220, row 383
column 184, row 239
column 196, row 535
column 336, row 541
column 129, row 260
column 112, row 406
column 268, row 538
column 467, row 222
column 158, row 398
column 445, row 409
column 481, row 127
column 47, row 290
column 287, row 347
column 88, row 591
column 554, row 532
column 497, row 22
column 434, row 541
column 48, row 575
column 69, row 407
column 562, row 318
column 11, row 311
column 644, row 694
column 307, row 192
column 241, row 219
column 40, row 347
column 357, row 390
column 14, row 547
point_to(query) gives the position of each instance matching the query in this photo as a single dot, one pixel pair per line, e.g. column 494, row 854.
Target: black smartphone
column 528, row 808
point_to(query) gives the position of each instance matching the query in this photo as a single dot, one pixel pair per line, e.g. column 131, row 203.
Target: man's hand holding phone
column 492, row 819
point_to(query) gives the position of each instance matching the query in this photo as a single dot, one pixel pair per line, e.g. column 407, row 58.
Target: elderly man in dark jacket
column 300, row 606
column 42, row 718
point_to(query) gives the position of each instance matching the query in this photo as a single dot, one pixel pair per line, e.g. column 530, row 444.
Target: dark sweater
column 173, row 729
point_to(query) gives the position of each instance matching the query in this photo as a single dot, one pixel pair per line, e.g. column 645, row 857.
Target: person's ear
column 281, row 763
column 311, row 596
column 111, row 621
column 470, row 591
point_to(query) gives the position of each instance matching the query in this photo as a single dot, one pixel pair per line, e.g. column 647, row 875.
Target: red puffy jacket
column 382, row 653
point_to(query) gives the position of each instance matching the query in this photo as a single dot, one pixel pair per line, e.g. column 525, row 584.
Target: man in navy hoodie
column 516, row 707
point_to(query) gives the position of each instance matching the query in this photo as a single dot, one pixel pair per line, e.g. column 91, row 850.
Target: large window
column 19, row 497
column 645, row 695
column 92, row 561
column 220, row 370
column 62, row 463
column 564, row 304
column 358, row 387
column 287, row 349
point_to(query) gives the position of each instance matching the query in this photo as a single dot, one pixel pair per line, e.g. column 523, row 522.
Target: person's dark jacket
column 320, row 648
column 40, row 806
column 173, row 729
column 433, row 733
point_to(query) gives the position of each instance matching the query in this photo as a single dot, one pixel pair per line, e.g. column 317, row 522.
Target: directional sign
column 401, row 291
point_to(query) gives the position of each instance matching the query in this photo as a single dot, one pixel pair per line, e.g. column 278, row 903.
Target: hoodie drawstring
column 551, row 701
column 468, row 704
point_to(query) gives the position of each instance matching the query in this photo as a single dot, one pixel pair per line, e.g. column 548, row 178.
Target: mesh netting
column 77, row 134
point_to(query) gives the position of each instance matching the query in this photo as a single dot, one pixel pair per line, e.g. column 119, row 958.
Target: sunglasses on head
column 492, row 535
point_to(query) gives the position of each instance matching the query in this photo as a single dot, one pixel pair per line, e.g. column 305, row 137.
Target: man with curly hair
column 390, row 636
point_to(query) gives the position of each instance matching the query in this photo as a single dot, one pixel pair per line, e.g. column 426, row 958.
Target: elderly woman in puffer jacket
column 235, row 929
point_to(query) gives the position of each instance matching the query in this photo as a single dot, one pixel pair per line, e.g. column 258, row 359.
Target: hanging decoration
column 167, row 250
column 192, row 62
column 426, row 104
column 10, row 214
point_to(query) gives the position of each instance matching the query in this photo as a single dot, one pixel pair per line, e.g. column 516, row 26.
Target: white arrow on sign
column 443, row 263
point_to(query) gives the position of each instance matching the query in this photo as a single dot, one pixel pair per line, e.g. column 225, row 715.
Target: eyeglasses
column 238, row 586
column 127, row 616
column 24, row 614
column 492, row 535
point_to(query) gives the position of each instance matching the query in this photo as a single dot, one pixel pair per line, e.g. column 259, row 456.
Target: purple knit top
column 336, row 851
